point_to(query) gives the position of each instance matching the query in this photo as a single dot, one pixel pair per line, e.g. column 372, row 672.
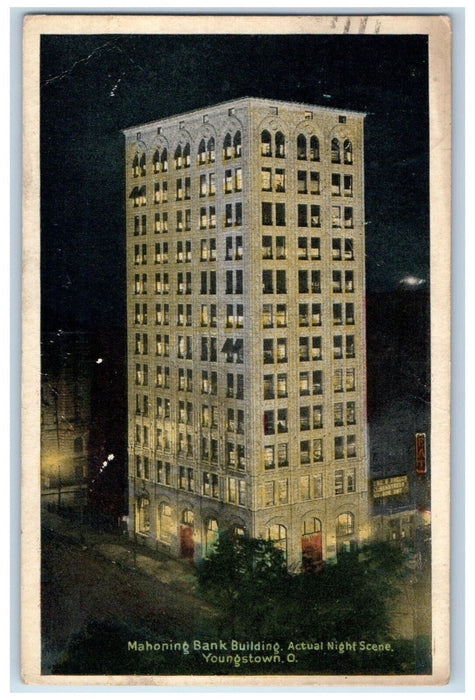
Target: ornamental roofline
column 260, row 101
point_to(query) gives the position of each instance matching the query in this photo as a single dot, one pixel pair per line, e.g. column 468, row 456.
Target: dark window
column 178, row 157
column 238, row 212
column 267, row 286
column 202, row 152
column 335, row 151
column 211, row 150
column 266, row 247
column 186, row 156
column 282, row 426
column 280, row 214
column 227, row 146
column 315, row 215
column 266, row 213
column 348, row 217
column 280, row 284
column 302, row 215
column 228, row 217
column 279, row 145
column 238, row 289
column 314, row 148
column 266, row 143
column 268, row 421
column 315, row 278
column 339, row 448
column 212, row 282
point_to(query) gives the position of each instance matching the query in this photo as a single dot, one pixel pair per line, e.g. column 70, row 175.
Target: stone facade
column 245, row 313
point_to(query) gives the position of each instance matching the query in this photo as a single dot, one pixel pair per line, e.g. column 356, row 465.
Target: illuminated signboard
column 391, row 486
column 420, row 453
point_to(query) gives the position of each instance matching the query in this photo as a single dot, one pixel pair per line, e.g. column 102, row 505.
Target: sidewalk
column 118, row 549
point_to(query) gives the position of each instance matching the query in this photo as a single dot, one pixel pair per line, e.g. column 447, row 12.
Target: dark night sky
column 94, row 86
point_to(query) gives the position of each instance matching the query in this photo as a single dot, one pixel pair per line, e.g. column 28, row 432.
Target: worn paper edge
column 439, row 31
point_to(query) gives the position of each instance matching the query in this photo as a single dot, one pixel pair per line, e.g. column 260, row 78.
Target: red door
column 187, row 546
column 312, row 552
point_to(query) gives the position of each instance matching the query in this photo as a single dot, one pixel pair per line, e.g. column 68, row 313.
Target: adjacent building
column 66, row 379
column 246, row 328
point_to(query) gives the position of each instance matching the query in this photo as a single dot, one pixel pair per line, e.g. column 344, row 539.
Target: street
column 98, row 583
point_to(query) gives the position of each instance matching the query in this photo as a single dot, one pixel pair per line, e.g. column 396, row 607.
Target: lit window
column 266, row 143
column 335, row 151
column 301, row 147
column 279, row 145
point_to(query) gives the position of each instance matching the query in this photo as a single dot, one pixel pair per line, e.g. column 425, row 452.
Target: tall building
column 246, row 341
column 66, row 379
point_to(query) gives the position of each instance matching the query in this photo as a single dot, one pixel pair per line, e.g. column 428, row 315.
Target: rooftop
column 241, row 100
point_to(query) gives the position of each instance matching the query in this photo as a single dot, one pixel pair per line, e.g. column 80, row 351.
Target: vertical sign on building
column 420, row 453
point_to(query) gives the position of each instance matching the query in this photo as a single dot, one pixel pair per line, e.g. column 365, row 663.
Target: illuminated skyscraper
column 246, row 329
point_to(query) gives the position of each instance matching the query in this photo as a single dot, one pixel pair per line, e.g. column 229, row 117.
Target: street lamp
column 59, row 487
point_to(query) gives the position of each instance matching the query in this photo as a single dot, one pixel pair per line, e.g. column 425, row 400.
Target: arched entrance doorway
column 312, row 556
column 187, row 545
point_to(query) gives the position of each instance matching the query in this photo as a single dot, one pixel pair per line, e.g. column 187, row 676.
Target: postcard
column 236, row 348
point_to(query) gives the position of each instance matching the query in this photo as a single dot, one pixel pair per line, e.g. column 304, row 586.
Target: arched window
column 143, row 162
column 187, row 517
column 266, row 143
column 314, row 148
column 348, row 151
column 301, row 147
column 239, row 531
column 237, row 144
column 311, row 526
column 279, row 145
column 277, row 534
column 211, row 150
column 178, row 157
column 187, row 545
column 165, row 522
column 135, row 196
column 202, row 152
column 139, row 196
column 186, row 156
column 227, row 146
column 211, row 533
column 164, row 160
column 156, row 161
column 143, row 515
column 345, row 524
column 135, row 165
column 335, row 151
